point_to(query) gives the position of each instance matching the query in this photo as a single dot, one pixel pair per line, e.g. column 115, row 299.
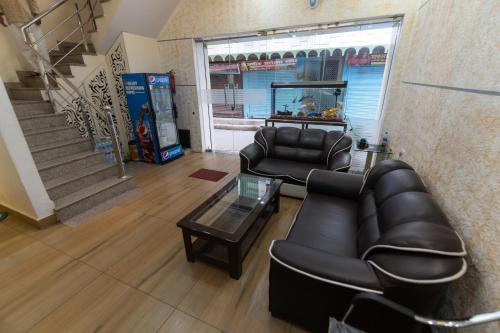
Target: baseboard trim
column 40, row 224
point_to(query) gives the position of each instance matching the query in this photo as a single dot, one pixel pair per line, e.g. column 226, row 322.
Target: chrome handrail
column 49, row 70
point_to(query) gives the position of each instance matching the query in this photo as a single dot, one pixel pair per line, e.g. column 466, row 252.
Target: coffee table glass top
column 229, row 209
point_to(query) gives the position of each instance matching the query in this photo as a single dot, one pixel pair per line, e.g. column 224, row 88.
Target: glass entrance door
column 241, row 72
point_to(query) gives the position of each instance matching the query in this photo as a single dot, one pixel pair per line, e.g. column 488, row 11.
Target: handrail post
column 116, row 142
column 80, row 24
column 91, row 8
column 46, row 83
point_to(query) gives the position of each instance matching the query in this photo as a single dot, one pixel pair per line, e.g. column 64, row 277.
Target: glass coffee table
column 227, row 224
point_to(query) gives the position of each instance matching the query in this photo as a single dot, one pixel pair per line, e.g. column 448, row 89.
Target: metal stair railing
column 81, row 19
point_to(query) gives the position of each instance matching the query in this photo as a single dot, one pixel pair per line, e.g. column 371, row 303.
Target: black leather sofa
column 382, row 233
column 290, row 153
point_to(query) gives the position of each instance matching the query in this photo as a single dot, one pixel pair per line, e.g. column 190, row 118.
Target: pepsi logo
column 151, row 79
column 165, row 154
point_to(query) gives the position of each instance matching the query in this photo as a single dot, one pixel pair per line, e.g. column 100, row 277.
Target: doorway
column 236, row 92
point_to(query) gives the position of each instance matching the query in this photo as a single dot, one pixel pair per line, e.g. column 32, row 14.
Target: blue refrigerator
column 152, row 113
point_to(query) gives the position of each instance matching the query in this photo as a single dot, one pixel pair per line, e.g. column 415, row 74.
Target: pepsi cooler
column 153, row 117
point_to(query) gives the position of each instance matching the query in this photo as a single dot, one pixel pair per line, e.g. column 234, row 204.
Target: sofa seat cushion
column 328, row 224
column 285, row 169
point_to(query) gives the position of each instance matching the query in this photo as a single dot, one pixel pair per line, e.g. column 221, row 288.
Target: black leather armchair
column 383, row 234
column 290, row 154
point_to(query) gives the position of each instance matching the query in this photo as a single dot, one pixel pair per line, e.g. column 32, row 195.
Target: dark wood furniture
column 305, row 123
column 227, row 224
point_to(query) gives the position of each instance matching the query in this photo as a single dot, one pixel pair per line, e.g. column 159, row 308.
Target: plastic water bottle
column 385, row 140
column 110, row 156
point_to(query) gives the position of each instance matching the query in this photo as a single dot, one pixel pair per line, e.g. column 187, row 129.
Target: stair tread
column 48, row 130
column 26, row 88
column 87, row 192
column 67, row 159
column 62, row 53
column 27, row 101
column 77, row 174
column 81, row 64
column 58, row 144
column 42, row 115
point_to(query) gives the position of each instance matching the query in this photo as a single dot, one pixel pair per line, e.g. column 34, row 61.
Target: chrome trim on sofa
column 433, row 281
column 319, row 278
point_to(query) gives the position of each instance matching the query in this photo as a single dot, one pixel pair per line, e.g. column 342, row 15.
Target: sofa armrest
column 345, row 185
column 346, row 272
column 250, row 156
column 340, row 162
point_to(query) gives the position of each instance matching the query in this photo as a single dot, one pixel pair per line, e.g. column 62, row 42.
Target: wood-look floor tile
column 35, row 280
column 279, row 224
column 180, row 322
column 140, row 265
column 235, row 305
column 139, row 245
column 174, row 280
column 107, row 305
column 82, row 240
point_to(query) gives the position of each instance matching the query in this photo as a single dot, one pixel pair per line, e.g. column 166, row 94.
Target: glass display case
column 308, row 102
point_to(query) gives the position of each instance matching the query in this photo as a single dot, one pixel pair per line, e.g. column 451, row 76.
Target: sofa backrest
column 307, row 145
column 402, row 230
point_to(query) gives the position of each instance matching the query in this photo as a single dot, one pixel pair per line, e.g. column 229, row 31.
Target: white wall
column 21, row 188
column 145, row 18
column 142, row 53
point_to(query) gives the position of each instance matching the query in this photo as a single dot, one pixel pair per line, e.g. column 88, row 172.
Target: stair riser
column 92, row 201
column 45, row 122
column 65, row 48
column 36, row 82
column 51, row 154
column 26, row 95
column 72, row 58
column 26, row 110
column 64, row 69
column 57, row 171
column 83, row 182
column 70, row 133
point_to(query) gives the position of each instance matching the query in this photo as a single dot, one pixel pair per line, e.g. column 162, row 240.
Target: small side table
column 373, row 149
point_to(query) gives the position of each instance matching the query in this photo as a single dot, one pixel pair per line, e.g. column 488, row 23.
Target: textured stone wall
column 444, row 116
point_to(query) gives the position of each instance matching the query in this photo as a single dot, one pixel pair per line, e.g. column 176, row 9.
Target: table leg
column 368, row 163
column 235, row 261
column 188, row 245
column 277, row 202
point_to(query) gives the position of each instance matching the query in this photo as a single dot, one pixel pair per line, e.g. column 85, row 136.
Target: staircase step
column 74, row 52
column 70, row 59
column 32, row 108
column 55, row 168
column 30, row 79
column 30, row 94
column 51, row 151
column 86, row 198
column 65, row 47
column 51, row 135
column 64, row 70
column 79, row 179
column 42, row 121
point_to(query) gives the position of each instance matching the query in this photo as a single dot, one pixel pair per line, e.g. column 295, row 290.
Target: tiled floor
column 125, row 271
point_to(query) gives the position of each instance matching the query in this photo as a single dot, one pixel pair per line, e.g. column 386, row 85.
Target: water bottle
column 110, row 156
column 385, row 140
